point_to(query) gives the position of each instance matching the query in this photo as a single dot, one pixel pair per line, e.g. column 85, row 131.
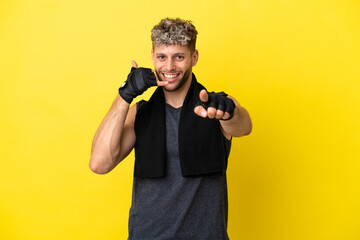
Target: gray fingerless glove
column 219, row 101
column 137, row 82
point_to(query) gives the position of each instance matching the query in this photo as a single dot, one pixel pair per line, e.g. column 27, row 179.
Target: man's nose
column 170, row 65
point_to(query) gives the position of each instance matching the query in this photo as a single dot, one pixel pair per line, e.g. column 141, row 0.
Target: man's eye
column 161, row 57
column 179, row 57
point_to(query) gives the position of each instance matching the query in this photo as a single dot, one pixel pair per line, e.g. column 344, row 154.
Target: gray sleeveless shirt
column 176, row 207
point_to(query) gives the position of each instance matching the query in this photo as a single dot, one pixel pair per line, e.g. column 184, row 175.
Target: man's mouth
column 170, row 76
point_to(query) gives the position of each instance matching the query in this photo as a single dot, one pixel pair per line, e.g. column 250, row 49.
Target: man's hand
column 215, row 105
column 137, row 82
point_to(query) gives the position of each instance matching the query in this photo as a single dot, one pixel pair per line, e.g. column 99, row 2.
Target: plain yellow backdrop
column 293, row 64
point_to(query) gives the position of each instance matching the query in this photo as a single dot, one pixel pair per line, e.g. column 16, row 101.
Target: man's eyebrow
column 178, row 53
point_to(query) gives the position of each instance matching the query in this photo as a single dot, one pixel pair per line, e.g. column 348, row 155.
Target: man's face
column 173, row 63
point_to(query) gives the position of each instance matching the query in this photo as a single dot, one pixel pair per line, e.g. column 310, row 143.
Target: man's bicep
column 128, row 136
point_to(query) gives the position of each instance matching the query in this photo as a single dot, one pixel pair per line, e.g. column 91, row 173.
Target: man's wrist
column 123, row 94
column 121, row 105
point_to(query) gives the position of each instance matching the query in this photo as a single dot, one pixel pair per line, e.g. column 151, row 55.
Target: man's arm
column 239, row 125
column 115, row 137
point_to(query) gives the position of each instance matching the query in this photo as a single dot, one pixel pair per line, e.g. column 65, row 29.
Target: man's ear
column 195, row 57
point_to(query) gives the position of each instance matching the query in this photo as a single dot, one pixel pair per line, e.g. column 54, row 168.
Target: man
column 182, row 139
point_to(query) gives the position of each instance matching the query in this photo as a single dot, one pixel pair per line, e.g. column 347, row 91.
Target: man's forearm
column 106, row 144
column 240, row 124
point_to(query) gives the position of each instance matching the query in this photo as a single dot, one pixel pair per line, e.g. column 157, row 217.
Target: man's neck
column 176, row 98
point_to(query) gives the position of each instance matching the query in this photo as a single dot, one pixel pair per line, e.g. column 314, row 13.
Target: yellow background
column 294, row 65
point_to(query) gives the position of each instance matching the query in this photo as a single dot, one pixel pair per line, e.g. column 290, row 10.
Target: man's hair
column 174, row 31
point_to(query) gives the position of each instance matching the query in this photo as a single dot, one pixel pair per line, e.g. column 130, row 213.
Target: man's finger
column 134, row 64
column 219, row 114
column 203, row 96
column 211, row 112
column 226, row 116
column 161, row 83
column 199, row 110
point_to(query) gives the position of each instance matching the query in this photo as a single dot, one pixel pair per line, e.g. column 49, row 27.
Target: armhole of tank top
column 139, row 104
column 223, row 136
column 226, row 142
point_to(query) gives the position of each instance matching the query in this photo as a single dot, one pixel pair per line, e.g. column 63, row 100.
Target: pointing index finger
column 203, row 95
